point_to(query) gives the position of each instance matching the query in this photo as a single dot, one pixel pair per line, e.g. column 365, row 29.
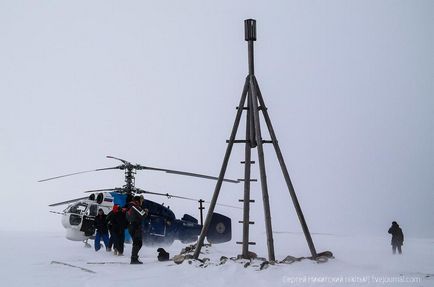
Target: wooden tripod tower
column 255, row 104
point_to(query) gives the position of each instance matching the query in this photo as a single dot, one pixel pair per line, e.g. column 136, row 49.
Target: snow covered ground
column 359, row 261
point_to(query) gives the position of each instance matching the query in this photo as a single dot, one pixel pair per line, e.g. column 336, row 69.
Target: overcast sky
column 348, row 84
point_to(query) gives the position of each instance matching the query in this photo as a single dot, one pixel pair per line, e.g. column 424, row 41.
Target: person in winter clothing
column 109, row 226
column 101, row 230
column 397, row 237
column 117, row 223
column 135, row 215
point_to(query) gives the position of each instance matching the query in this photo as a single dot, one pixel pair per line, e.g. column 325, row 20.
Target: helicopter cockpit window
column 78, row 208
column 93, row 210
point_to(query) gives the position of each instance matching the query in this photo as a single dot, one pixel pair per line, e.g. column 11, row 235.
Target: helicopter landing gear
column 87, row 245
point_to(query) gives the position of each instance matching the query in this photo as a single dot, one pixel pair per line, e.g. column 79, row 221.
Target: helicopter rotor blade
column 104, row 189
column 55, row 212
column 138, row 190
column 140, row 167
column 122, row 160
column 164, row 194
column 80, row 172
column 225, row 205
column 67, row 201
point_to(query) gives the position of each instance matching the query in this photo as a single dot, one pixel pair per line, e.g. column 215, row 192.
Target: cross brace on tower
column 255, row 104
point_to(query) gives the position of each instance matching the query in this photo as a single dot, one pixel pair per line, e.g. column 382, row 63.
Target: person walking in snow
column 117, row 223
column 135, row 215
column 397, row 237
column 101, row 230
column 108, row 220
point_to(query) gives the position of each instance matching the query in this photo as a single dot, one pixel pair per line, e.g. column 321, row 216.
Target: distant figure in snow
column 397, row 237
column 101, row 231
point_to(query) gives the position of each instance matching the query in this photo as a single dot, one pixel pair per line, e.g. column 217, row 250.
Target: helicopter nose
column 65, row 221
column 75, row 235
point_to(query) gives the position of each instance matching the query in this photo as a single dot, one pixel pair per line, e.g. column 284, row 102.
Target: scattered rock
column 290, row 259
column 264, row 265
column 252, row 261
column 204, row 265
column 321, row 259
column 327, row 254
column 178, row 259
column 191, row 248
column 252, row 255
column 223, row 260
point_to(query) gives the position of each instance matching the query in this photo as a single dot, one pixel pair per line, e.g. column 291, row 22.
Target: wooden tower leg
column 264, row 187
column 285, row 172
column 222, row 172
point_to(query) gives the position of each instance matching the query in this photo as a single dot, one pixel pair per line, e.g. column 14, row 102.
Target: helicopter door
column 88, row 226
column 158, row 226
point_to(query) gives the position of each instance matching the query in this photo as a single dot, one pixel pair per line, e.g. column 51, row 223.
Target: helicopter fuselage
column 160, row 227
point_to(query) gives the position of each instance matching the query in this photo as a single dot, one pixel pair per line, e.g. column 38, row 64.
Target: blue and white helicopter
column 160, row 227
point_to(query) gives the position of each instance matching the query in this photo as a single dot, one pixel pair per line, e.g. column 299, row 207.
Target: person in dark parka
column 397, row 237
column 118, row 223
column 109, row 226
column 135, row 215
column 101, row 230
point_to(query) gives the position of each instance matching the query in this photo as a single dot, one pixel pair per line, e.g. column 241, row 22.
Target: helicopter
column 160, row 227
